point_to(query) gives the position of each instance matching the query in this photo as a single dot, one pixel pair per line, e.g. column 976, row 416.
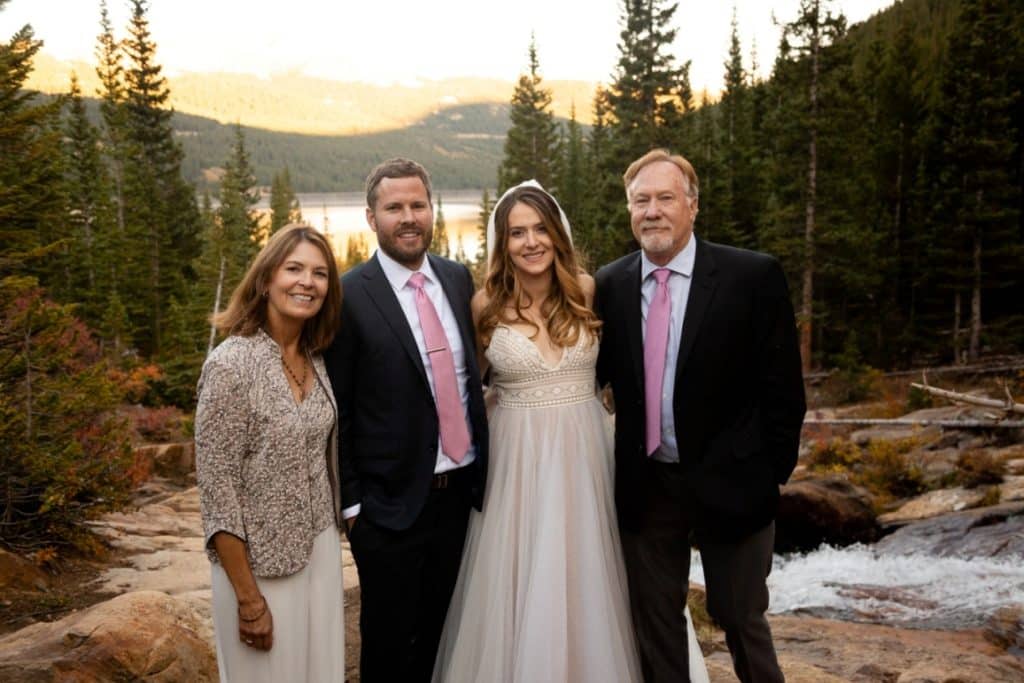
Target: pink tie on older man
column 451, row 416
column 655, row 346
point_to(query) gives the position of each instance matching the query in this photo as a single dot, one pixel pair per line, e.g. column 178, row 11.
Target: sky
column 386, row 41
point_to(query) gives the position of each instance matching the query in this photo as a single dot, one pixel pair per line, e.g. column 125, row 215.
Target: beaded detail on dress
column 523, row 379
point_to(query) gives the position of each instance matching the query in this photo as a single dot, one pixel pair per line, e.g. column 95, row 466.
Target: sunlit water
column 857, row 584
column 342, row 215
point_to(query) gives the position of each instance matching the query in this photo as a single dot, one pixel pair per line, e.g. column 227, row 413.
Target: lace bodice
column 523, row 379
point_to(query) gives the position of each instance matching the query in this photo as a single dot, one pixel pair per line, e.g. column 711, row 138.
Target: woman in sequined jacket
column 266, row 463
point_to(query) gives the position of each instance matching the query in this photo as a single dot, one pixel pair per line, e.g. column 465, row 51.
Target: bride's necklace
column 301, row 383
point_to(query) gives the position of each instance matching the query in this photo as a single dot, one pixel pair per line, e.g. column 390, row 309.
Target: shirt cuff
column 350, row 512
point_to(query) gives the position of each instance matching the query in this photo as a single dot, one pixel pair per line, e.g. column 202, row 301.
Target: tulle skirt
column 542, row 593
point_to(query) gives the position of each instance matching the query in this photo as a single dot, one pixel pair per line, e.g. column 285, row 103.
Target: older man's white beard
column 656, row 243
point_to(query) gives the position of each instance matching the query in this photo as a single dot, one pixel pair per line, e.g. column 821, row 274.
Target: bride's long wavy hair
column 565, row 310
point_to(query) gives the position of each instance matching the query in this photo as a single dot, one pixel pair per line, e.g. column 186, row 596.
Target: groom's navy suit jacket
column 388, row 429
column 739, row 397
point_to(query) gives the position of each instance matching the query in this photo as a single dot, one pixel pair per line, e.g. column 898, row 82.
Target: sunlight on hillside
column 300, row 104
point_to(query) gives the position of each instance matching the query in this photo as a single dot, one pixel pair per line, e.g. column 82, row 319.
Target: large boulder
column 994, row 531
column 17, row 573
column 830, row 510
column 933, row 504
column 146, row 635
column 813, row 650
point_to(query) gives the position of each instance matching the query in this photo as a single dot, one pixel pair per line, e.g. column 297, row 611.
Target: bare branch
column 1007, row 406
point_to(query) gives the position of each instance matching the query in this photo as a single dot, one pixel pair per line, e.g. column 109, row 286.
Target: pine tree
column 440, row 244
column 32, row 221
column 161, row 217
column 736, row 193
column 531, row 145
column 284, row 205
column 573, row 182
column 799, row 67
column 92, row 246
column 645, row 96
column 480, row 264
column 231, row 234
column 357, row 251
column 112, row 99
column 980, row 198
column 603, row 231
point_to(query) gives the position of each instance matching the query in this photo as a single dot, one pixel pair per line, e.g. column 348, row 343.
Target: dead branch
column 1008, row 405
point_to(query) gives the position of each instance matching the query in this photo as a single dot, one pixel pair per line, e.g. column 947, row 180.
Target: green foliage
column 31, row 202
column 480, row 265
column 66, row 454
column 853, row 381
column 357, row 251
column 284, row 205
column 888, row 472
column 532, row 142
column 439, row 242
column 837, row 455
column 918, row 399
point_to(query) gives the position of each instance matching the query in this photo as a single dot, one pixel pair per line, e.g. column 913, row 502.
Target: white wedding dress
column 541, row 594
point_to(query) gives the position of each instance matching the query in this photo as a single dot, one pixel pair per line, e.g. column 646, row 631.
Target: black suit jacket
column 739, row 397
column 388, row 429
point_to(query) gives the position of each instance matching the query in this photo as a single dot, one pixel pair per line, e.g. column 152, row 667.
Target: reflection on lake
column 342, row 215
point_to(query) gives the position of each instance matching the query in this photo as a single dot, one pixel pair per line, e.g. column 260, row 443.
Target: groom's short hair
column 662, row 154
column 394, row 168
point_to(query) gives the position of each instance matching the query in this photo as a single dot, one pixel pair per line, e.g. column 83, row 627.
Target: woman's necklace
column 302, row 382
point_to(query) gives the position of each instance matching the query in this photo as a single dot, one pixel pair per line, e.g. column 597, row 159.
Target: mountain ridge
column 296, row 103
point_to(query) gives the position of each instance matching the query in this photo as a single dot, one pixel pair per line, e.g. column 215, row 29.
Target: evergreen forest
column 880, row 162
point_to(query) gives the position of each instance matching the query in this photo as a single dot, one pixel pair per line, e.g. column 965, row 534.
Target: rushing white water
column 857, row 584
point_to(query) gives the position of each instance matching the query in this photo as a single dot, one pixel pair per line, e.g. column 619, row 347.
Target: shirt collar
column 398, row 275
column 681, row 263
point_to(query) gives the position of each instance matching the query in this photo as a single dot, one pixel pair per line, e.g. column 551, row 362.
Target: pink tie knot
column 660, row 274
column 417, row 280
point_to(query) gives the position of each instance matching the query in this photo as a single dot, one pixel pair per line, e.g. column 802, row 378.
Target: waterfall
column 916, row 591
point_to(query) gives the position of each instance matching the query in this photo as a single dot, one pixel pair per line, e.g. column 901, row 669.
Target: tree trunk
column 975, row 340
column 807, row 296
column 216, row 304
column 956, row 329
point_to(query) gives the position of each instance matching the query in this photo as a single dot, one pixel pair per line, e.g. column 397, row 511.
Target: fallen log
column 1008, row 405
column 912, row 422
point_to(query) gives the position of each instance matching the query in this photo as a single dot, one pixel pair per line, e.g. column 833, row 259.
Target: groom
column 699, row 345
column 412, row 426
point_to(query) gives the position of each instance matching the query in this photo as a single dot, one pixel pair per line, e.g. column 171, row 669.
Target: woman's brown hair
column 565, row 310
column 247, row 311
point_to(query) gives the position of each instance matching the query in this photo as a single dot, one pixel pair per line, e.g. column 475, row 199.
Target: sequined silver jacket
column 260, row 478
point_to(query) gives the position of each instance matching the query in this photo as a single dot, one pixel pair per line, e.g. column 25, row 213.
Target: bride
column 541, row 594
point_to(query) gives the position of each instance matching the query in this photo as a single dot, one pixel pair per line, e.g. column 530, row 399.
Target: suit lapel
column 702, row 290
column 630, row 287
column 383, row 296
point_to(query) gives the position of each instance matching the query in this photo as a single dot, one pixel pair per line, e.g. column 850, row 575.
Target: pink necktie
column 655, row 346
column 451, row 416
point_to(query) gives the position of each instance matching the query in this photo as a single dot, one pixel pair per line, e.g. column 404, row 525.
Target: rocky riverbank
column 148, row 613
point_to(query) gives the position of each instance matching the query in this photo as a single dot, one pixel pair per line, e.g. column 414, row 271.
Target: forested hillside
column 461, row 145
column 881, row 163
